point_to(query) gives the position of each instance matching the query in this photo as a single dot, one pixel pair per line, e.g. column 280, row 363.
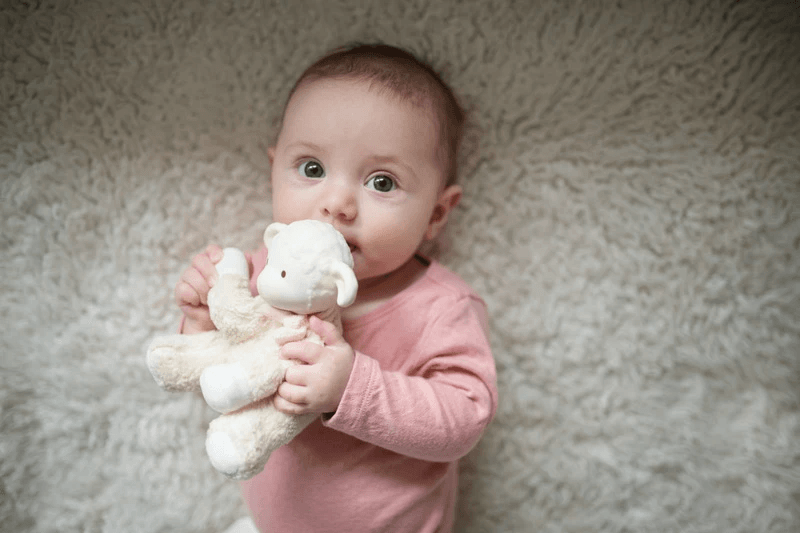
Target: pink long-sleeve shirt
column 422, row 390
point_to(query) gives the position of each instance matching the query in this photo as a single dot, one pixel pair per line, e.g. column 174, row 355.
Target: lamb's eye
column 311, row 169
column 283, row 273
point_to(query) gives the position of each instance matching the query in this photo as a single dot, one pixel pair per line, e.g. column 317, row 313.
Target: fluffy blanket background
column 632, row 217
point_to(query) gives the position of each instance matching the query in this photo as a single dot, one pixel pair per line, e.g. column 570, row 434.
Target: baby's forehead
column 327, row 93
column 418, row 100
column 322, row 93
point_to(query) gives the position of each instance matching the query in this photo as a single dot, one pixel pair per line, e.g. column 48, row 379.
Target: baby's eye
column 381, row 183
column 311, row 169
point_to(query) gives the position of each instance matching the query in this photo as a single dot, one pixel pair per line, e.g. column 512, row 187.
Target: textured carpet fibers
column 631, row 216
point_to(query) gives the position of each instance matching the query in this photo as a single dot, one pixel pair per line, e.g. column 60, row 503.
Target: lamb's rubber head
column 309, row 268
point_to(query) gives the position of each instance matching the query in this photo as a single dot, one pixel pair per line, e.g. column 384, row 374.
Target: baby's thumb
column 327, row 331
column 214, row 253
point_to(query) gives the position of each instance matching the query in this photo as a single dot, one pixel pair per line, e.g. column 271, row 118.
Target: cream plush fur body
column 238, row 367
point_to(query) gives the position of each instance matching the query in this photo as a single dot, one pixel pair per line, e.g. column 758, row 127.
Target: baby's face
column 365, row 162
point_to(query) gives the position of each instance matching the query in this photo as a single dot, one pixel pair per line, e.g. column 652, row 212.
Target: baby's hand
column 191, row 291
column 317, row 385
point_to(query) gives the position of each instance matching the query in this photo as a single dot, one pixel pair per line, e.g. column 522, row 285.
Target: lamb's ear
column 346, row 283
column 272, row 230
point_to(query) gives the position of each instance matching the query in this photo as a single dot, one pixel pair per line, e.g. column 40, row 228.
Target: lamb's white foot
column 234, row 446
column 225, row 456
column 226, row 387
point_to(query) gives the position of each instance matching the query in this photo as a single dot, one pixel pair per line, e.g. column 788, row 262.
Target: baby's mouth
column 352, row 246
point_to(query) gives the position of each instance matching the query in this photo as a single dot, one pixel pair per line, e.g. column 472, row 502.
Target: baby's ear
column 346, row 283
column 447, row 201
column 272, row 230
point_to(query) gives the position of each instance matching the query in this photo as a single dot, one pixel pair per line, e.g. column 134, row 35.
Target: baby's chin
column 370, row 274
column 361, row 268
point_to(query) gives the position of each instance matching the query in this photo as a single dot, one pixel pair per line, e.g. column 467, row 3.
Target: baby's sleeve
column 440, row 412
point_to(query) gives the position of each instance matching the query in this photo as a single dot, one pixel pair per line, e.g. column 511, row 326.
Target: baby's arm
column 437, row 415
column 441, row 418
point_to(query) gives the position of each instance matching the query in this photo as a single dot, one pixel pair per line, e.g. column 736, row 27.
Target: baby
column 368, row 142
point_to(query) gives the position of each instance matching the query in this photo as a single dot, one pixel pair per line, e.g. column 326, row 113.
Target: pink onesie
column 422, row 390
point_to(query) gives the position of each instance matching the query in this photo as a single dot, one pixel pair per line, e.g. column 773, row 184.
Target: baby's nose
column 340, row 202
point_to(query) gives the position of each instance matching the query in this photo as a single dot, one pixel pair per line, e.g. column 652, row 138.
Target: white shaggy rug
column 632, row 217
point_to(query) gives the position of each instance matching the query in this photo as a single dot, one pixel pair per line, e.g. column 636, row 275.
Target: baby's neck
column 373, row 293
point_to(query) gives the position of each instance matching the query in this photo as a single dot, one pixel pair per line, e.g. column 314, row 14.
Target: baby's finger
column 327, row 331
column 198, row 314
column 214, row 253
column 203, row 265
column 295, row 394
column 199, row 283
column 297, row 375
column 287, row 407
column 186, row 295
column 303, row 351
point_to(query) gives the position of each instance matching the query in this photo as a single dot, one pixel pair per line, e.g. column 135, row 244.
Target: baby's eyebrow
column 392, row 160
column 305, row 145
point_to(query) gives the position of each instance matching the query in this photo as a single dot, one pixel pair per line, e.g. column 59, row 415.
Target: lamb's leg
column 177, row 361
column 239, row 444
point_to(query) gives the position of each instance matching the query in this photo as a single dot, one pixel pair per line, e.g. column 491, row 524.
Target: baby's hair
column 405, row 76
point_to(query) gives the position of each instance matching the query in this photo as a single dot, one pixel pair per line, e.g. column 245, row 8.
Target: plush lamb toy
column 238, row 367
